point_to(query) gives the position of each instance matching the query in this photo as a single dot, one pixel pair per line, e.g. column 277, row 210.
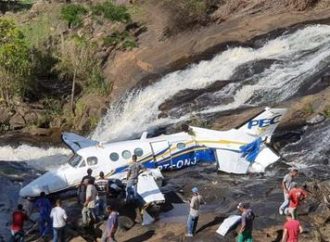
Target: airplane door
column 162, row 154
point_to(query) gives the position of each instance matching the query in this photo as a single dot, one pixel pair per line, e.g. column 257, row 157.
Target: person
column 59, row 217
column 88, row 211
column 245, row 232
column 193, row 216
column 132, row 179
column 286, row 187
column 111, row 226
column 102, row 191
column 18, row 218
column 296, row 195
column 291, row 229
column 44, row 206
column 83, row 184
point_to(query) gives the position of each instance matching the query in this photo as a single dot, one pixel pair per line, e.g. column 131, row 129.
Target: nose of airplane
column 50, row 182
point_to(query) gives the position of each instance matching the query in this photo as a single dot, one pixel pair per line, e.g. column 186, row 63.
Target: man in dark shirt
column 44, row 206
column 83, row 184
column 245, row 232
column 111, row 226
column 18, row 218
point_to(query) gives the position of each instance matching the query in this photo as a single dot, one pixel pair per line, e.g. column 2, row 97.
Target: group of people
column 293, row 195
column 92, row 195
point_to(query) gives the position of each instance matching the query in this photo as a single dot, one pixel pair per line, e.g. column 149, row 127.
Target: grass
column 42, row 27
column 73, row 13
column 326, row 111
column 112, row 12
column 123, row 40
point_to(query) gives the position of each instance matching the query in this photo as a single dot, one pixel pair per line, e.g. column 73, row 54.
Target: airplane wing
column 76, row 142
column 147, row 187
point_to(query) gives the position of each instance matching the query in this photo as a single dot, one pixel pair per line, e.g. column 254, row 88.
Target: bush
column 72, row 14
column 112, row 12
column 123, row 40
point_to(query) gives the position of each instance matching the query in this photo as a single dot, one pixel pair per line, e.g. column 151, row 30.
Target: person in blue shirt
column 44, row 207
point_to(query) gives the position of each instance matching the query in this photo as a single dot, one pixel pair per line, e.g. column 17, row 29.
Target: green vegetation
column 112, row 12
column 15, row 65
column 122, row 40
column 72, row 14
column 77, row 62
column 326, row 111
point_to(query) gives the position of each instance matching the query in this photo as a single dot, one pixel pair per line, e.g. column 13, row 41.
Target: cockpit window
column 91, row 161
column 75, row 160
column 181, row 146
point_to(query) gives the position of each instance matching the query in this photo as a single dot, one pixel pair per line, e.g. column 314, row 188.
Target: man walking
column 111, row 226
column 59, row 217
column 296, row 195
column 245, row 232
column 133, row 172
column 88, row 212
column 193, row 216
column 44, row 207
column 291, row 230
column 286, row 187
column 102, row 188
column 18, row 218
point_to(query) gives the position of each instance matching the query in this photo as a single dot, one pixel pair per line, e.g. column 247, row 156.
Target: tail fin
column 76, row 142
column 265, row 123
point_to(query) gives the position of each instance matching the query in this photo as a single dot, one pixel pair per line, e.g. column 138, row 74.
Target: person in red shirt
column 18, row 218
column 296, row 195
column 291, row 230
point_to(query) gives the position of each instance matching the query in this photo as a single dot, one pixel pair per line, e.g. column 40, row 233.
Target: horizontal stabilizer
column 76, row 142
column 228, row 223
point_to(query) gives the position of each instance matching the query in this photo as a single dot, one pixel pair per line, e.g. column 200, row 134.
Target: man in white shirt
column 59, row 217
column 88, row 212
column 286, row 186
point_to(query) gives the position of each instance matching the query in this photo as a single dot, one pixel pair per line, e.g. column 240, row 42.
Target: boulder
column 321, row 214
column 17, row 121
column 4, row 115
column 31, row 118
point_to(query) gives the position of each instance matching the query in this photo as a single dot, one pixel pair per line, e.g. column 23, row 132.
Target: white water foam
column 301, row 53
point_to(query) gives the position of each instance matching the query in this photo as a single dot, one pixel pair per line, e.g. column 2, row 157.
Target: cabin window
column 114, row 156
column 180, row 146
column 126, row 154
column 75, row 160
column 138, row 152
column 91, row 161
column 83, row 164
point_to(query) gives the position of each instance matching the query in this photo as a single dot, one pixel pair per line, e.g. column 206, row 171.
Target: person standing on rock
column 18, row 218
column 245, row 232
column 193, row 216
column 111, row 226
column 286, row 186
column 59, row 217
column 44, row 206
column 88, row 211
column 291, row 230
column 133, row 172
column 102, row 188
column 296, row 195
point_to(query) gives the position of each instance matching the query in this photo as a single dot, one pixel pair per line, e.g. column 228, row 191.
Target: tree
column 15, row 65
column 76, row 61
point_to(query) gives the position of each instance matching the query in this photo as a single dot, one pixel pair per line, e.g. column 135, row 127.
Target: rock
column 301, row 5
column 318, row 118
column 17, row 121
column 325, row 232
column 4, row 115
column 31, row 118
column 321, row 214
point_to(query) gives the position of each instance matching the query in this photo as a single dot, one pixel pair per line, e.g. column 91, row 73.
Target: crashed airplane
column 236, row 151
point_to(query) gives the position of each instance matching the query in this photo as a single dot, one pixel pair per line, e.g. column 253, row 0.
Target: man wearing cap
column 286, row 186
column 245, row 232
column 195, row 203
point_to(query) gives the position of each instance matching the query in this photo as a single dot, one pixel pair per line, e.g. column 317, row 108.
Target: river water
column 290, row 62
